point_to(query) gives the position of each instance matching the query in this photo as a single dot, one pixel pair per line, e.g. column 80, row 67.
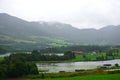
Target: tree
column 109, row 53
column 42, row 76
column 116, row 65
column 69, row 55
column 3, row 70
column 32, row 69
column 35, row 51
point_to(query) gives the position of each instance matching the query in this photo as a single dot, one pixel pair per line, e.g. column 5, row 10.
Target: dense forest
column 16, row 67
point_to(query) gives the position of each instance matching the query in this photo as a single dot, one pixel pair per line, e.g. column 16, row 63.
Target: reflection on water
column 72, row 66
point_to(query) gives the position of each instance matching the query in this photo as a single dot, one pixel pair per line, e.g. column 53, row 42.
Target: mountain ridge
column 18, row 32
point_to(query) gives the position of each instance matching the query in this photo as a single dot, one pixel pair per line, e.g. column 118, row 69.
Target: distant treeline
column 86, row 49
column 37, row 56
column 62, row 49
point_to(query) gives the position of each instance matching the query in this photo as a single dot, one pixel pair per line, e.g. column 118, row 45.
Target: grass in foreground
column 89, row 77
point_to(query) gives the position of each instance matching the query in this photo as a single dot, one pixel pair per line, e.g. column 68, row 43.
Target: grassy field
column 90, row 57
column 1, row 58
column 53, row 42
column 89, row 77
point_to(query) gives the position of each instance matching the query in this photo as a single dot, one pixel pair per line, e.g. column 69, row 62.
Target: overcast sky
column 79, row 13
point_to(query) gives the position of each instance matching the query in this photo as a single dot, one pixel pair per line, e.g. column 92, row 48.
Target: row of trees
column 37, row 56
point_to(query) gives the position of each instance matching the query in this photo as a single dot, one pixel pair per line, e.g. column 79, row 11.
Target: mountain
column 19, row 34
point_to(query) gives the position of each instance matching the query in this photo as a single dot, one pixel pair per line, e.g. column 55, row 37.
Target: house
column 93, row 53
column 77, row 52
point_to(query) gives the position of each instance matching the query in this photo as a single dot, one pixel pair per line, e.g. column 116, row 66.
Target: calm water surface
column 72, row 66
column 3, row 55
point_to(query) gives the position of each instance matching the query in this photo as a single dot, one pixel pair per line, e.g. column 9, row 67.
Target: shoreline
column 71, row 61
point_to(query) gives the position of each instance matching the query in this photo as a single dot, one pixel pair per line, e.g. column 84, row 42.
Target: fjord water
column 4, row 55
column 72, row 66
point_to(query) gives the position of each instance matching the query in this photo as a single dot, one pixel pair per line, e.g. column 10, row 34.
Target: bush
column 116, row 65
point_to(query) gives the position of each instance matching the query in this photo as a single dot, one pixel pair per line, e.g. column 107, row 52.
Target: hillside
column 19, row 34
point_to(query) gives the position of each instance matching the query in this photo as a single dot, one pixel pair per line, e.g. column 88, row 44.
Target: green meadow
column 89, row 77
column 90, row 57
column 1, row 58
